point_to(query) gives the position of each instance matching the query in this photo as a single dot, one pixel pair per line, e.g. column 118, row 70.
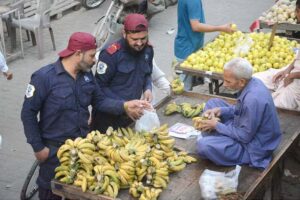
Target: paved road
column 16, row 155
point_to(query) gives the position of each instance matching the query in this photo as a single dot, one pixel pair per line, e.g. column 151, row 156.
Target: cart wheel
column 30, row 187
column 90, row 4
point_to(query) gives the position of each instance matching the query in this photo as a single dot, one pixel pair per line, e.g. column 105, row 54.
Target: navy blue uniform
column 62, row 103
column 123, row 75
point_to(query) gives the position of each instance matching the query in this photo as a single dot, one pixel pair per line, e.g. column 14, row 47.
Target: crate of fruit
column 254, row 47
column 283, row 13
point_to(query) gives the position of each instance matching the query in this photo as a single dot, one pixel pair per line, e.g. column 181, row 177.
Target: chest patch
column 101, row 67
column 29, row 91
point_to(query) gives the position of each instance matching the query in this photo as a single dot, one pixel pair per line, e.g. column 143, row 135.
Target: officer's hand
column 134, row 109
column 148, row 96
column 42, row 155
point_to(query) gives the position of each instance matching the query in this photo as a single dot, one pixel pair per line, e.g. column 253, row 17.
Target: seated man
column 249, row 131
column 285, row 84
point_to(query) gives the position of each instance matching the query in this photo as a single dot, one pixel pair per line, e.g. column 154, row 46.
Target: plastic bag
column 213, row 183
column 148, row 121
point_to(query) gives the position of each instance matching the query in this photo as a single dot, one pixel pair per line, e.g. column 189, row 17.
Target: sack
column 213, row 184
column 148, row 121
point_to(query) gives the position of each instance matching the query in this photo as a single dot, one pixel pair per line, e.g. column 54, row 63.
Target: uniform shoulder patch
column 101, row 67
column 29, row 91
column 113, row 48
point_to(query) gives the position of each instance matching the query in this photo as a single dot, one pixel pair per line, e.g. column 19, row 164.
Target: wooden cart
column 253, row 183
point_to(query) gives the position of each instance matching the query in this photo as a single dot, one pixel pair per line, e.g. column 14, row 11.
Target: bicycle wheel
column 30, row 187
column 90, row 4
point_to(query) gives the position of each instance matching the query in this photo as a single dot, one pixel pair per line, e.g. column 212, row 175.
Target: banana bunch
column 177, row 86
column 190, row 111
column 118, row 154
column 172, row 108
column 186, row 158
column 84, row 180
column 136, row 189
column 108, row 180
column 66, row 174
column 197, row 121
column 176, row 164
column 95, row 136
column 150, row 193
column 126, row 171
column 138, row 148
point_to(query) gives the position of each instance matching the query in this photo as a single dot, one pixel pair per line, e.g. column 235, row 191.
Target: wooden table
column 253, row 183
column 213, row 76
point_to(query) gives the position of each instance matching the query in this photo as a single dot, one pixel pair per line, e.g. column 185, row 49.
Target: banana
column 61, row 173
column 179, row 161
column 124, row 155
column 124, row 174
column 160, row 182
column 176, row 168
column 162, row 172
column 110, row 191
column 87, row 151
column 84, row 184
column 134, row 192
column 62, row 168
column 189, row 159
column 84, row 158
column 154, row 161
column 104, row 185
column 113, row 175
column 66, row 180
column 62, row 149
column 76, row 141
column 87, row 145
column 77, row 183
column 70, row 142
column 115, row 188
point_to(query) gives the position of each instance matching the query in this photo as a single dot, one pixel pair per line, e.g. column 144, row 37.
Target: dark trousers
column 45, row 194
column 101, row 121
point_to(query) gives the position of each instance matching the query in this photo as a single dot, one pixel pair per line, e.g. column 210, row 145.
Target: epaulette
column 113, row 48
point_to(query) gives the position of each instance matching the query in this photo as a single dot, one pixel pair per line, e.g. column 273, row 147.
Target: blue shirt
column 62, row 103
column 255, row 124
column 187, row 41
column 124, row 76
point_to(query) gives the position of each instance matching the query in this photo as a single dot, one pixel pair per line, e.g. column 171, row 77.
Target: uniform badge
column 146, row 57
column 101, row 67
column 86, row 78
column 29, row 91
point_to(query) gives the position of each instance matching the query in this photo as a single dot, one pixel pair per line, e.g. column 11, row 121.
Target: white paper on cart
column 183, row 131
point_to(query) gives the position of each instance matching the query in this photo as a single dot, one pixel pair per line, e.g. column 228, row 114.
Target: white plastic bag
column 213, row 183
column 148, row 121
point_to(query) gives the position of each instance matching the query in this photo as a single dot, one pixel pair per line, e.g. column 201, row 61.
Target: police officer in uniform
column 124, row 71
column 61, row 93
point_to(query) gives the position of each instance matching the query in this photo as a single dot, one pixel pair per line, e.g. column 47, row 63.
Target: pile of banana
column 186, row 109
column 177, row 86
column 119, row 159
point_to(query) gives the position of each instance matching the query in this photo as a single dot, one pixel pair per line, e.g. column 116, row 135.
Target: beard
column 84, row 66
column 135, row 51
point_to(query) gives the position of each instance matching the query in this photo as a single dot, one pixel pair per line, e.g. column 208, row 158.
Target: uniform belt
column 53, row 143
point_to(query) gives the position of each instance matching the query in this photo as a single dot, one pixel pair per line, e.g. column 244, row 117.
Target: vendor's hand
column 227, row 28
column 212, row 113
column 8, row 75
column 148, row 96
column 209, row 125
column 278, row 77
column 135, row 108
column 42, row 155
column 287, row 80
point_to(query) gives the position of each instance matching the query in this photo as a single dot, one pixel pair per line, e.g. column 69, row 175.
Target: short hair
column 240, row 67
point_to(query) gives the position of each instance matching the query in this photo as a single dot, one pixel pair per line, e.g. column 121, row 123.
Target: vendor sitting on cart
column 249, row 131
column 284, row 83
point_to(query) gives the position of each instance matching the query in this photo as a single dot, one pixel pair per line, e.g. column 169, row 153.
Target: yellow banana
column 84, row 184
column 134, row 192
column 64, row 159
column 176, row 168
column 61, row 173
column 115, row 188
column 160, row 181
column 110, row 191
column 62, row 149
column 84, row 158
column 76, row 141
column 104, row 185
column 61, row 168
column 77, row 183
column 162, row 172
column 87, row 151
column 87, row 145
column 70, row 142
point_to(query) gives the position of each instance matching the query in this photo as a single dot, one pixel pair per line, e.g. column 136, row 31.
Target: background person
column 4, row 68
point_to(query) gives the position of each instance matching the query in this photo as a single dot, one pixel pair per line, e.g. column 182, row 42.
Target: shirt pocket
column 63, row 97
column 86, row 95
column 237, row 113
column 125, row 71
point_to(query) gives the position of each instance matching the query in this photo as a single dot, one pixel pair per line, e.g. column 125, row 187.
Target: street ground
column 16, row 155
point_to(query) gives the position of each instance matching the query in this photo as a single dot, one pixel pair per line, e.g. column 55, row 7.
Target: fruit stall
column 157, row 166
column 282, row 13
column 258, row 48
